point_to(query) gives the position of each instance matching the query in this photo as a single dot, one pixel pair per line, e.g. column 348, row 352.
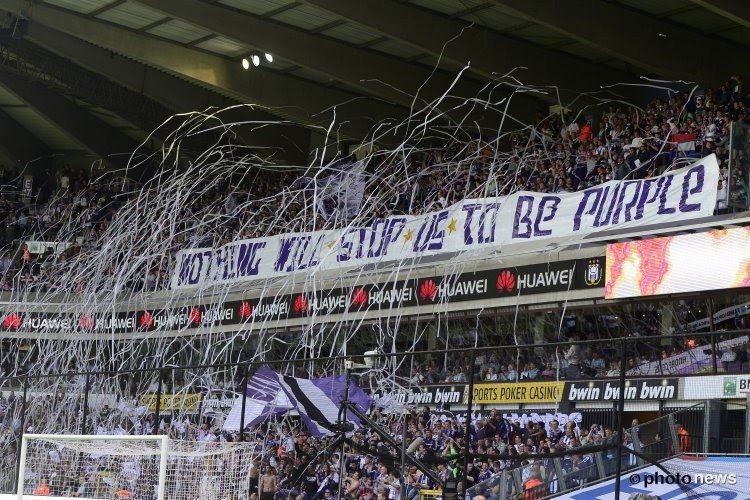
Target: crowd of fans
column 590, row 353
column 290, row 463
column 70, row 211
column 561, row 153
column 372, row 469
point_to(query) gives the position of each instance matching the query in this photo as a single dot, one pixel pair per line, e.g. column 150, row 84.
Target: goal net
column 132, row 467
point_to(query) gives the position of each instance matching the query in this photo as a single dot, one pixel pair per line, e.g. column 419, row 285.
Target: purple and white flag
column 317, row 401
column 264, row 399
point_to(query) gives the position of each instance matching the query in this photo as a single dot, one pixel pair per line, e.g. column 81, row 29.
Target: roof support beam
column 284, row 96
column 472, row 10
column 19, row 143
column 96, row 135
column 487, row 52
column 679, row 10
column 341, row 61
column 202, row 39
column 650, row 51
column 738, row 12
column 155, row 24
column 326, row 27
column 278, row 11
column 174, row 93
column 105, row 8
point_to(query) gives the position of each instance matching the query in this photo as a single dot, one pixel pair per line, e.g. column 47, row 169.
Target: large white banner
column 690, row 361
column 731, row 312
column 473, row 224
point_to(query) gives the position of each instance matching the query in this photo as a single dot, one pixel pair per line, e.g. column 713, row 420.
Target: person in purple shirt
column 485, row 473
column 429, row 442
column 555, row 433
column 583, row 467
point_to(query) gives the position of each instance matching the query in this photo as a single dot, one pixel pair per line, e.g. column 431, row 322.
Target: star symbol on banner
column 407, row 236
column 452, row 226
column 331, row 244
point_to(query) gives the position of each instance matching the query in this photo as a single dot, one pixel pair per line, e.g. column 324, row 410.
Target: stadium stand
column 56, row 219
column 73, row 208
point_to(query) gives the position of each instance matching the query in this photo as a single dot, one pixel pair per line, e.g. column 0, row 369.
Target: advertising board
column 578, row 274
column 522, row 392
column 717, row 387
column 609, row 390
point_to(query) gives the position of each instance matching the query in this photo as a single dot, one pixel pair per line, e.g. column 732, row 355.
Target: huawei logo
column 86, row 322
column 195, row 316
column 300, row 304
column 12, row 322
column 246, row 310
column 359, row 297
column 428, row 290
column 506, row 282
column 146, row 321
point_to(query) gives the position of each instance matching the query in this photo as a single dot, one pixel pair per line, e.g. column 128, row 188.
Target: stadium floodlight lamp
column 245, row 63
column 256, row 60
column 269, row 57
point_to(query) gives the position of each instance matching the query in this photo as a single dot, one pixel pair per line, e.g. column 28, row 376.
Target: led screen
column 676, row 264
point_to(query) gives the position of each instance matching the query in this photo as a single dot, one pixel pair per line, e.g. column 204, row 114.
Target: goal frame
column 74, row 437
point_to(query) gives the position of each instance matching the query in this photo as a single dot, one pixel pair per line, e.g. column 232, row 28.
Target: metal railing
column 738, row 171
column 655, row 441
column 79, row 402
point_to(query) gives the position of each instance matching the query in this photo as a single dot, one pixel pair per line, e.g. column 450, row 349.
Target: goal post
column 124, row 467
column 52, row 454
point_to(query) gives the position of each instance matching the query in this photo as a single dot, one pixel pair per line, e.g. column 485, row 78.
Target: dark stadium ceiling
column 183, row 55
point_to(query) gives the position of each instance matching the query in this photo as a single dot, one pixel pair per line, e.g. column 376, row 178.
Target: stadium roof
column 92, row 76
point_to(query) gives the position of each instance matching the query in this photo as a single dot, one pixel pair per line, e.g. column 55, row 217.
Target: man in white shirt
column 288, row 442
column 573, row 357
column 721, row 197
column 512, row 374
